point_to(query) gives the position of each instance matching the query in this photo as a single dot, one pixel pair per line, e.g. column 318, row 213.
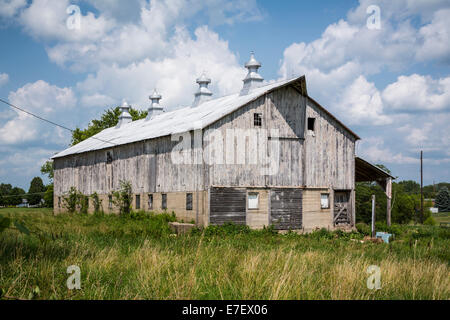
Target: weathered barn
column 267, row 155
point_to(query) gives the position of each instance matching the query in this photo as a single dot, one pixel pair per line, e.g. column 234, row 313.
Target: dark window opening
column 150, row 201
column 257, row 119
column 311, row 123
column 109, row 157
column 138, row 202
column 110, row 202
column 188, row 201
column 164, row 201
column 59, row 202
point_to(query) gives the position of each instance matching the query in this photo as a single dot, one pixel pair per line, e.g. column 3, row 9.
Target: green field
column 137, row 258
column 442, row 217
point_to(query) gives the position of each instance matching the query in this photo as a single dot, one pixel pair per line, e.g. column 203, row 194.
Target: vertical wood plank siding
column 283, row 109
column 330, row 153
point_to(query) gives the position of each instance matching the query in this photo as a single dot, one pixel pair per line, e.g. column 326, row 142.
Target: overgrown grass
column 135, row 257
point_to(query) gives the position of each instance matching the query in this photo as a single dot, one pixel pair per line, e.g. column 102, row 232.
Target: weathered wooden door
column 227, row 205
column 342, row 208
column 286, row 209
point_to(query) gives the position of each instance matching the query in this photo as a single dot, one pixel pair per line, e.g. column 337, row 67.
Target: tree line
column 37, row 194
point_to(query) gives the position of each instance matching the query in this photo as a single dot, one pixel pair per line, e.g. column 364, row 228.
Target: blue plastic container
column 384, row 235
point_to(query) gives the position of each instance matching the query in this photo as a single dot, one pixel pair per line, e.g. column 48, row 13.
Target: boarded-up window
column 164, row 201
column 257, row 119
column 138, row 201
column 150, row 201
column 110, row 202
column 188, row 201
column 325, row 201
column 253, row 200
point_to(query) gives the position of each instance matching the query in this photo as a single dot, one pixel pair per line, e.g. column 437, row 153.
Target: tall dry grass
column 121, row 259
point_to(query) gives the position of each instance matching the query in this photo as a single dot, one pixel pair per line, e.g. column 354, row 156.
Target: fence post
column 373, row 216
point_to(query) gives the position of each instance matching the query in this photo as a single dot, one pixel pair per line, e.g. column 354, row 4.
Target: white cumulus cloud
column 9, row 8
column 418, row 93
column 43, row 99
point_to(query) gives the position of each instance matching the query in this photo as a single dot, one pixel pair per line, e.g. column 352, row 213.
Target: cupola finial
column 253, row 78
column 203, row 93
column 155, row 108
column 125, row 116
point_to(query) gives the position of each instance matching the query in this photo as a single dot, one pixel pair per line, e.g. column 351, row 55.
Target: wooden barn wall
column 328, row 156
column 283, row 109
column 330, row 153
column 147, row 165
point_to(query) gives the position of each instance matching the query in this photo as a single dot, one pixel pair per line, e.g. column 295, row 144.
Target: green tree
column 410, row 186
column 443, row 200
column 47, row 169
column 383, row 167
column 109, row 118
column 16, row 196
column 403, row 205
column 5, row 192
column 36, row 191
column 363, row 202
column 48, row 196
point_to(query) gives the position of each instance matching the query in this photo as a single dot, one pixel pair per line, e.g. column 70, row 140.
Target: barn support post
column 373, row 216
column 388, row 202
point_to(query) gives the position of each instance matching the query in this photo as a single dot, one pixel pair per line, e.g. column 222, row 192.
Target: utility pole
column 421, row 187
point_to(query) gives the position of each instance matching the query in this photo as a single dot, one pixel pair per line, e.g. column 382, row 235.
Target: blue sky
column 391, row 84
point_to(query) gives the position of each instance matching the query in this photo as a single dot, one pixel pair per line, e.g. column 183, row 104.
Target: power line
column 48, row 121
column 20, row 195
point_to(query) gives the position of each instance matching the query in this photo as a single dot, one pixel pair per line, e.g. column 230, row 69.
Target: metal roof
column 366, row 171
column 177, row 121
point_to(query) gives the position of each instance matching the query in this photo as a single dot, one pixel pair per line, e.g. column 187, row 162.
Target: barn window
column 150, row 201
column 110, row 202
column 311, row 124
column 257, row 119
column 59, row 202
column 109, row 157
column 325, row 201
column 253, row 200
column 188, row 201
column 138, row 202
column 164, row 201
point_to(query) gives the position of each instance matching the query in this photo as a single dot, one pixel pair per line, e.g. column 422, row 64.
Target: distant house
column 24, row 204
column 267, row 155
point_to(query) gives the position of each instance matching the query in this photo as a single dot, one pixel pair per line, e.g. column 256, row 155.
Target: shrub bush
column 97, row 203
column 122, row 197
column 429, row 221
column 363, row 228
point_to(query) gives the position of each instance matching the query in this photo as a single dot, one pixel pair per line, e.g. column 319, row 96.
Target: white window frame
column 257, row 201
column 328, row 201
